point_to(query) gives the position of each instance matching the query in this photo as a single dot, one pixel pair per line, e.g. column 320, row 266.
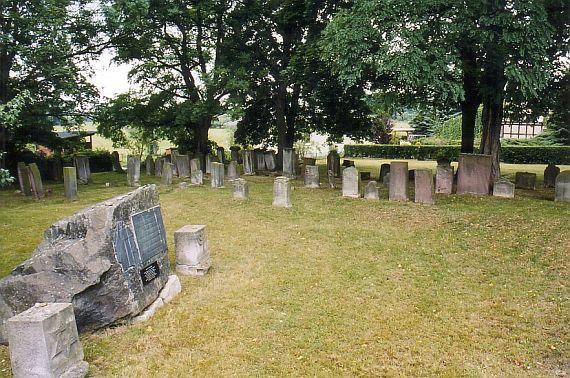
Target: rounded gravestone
column 562, row 188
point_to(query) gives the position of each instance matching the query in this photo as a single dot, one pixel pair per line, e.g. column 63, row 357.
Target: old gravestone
column 183, row 165
column 167, row 173
column 270, row 160
column 240, row 189
column 562, row 188
column 312, row 176
column 350, row 183
column 399, row 178
column 221, row 155
column 83, row 169
column 330, row 176
column 233, row 171
column 234, row 152
column 282, row 192
column 55, row 168
column 371, row 191
column 173, row 157
column 248, row 168
column 133, row 171
column 195, row 165
column 550, row 174
column 192, row 251
column 36, row 182
column 423, row 184
column 70, row 183
column 44, row 342
column 110, row 261
column 525, row 180
column 209, row 162
column 289, row 162
column 24, row 179
column 503, row 188
column 158, row 164
column 196, row 175
column 444, row 178
column 386, row 180
column 217, row 175
column 116, row 162
column 259, row 160
column 150, row 166
column 333, row 163
column 384, row 169
column 474, row 174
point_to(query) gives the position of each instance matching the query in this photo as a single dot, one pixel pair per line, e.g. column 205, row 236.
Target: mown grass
column 469, row 287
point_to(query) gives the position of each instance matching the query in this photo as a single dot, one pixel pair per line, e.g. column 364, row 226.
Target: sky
column 111, row 79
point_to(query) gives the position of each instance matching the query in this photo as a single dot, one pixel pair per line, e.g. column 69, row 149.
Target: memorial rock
column 350, row 183
column 562, row 188
column 192, row 251
column 333, row 163
column 550, row 174
column 83, row 169
column 158, row 165
column 233, row 171
column 116, row 162
column 149, row 166
column 312, row 176
column 208, row 163
column 474, row 174
column 399, row 178
column 282, row 192
column 167, row 174
column 259, row 160
column 36, row 182
column 217, row 175
column 444, row 178
column 24, row 179
column 503, row 188
column 70, row 183
column 220, row 153
column 133, row 171
column 371, row 191
column 384, row 169
column 423, row 185
column 234, row 152
column 183, row 165
column 270, row 160
column 248, row 168
column 289, row 162
column 240, row 189
column 525, row 180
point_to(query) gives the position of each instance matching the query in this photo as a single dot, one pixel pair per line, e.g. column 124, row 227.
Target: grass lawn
column 471, row 286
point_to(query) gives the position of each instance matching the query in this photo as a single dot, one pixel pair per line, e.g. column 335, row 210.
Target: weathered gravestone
column 289, row 162
column 196, row 175
column 525, row 180
column 217, row 175
column 333, row 163
column 550, row 174
column 83, row 169
column 173, row 158
column 331, row 178
column 209, row 163
column 192, row 251
column 133, row 171
column 399, row 179
column 233, row 171
column 350, row 183
column 270, row 160
column 562, row 188
column 110, row 261
column 36, row 183
column 503, row 188
column 386, row 180
column 24, row 179
column 234, row 152
column 248, row 168
column 221, row 155
column 195, row 165
column 70, row 183
column 167, row 174
column 371, row 191
column 423, row 185
column 55, row 168
column 384, row 169
column 282, row 192
column 259, row 160
column 150, row 166
column 44, row 342
column 158, row 165
column 312, row 176
column 116, row 162
column 183, row 165
column 444, row 178
column 474, row 174
column 240, row 189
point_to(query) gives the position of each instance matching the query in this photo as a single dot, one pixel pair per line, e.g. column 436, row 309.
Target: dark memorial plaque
column 150, row 233
column 150, row 273
column 125, row 247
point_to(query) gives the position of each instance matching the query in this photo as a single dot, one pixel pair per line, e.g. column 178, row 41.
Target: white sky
column 111, row 79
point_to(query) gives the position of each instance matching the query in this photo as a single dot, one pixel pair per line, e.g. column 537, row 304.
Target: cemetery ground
column 334, row 286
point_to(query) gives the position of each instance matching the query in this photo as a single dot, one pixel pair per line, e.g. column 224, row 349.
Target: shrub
column 99, row 160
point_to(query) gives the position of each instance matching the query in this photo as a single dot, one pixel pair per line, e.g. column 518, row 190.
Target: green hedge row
column 509, row 154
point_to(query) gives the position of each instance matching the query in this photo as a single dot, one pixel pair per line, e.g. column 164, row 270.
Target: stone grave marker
column 259, row 160
column 217, row 175
column 44, row 342
column 423, row 184
column 83, row 170
column 195, row 165
column 399, row 179
column 474, row 174
column 233, row 171
column 503, row 188
column 270, row 160
column 24, row 179
column 333, row 163
column 150, row 166
column 197, row 177
column 282, row 192
column 192, row 250
column 350, row 183
column 240, row 189
column 220, row 152
column 289, row 163
column 209, row 163
column 525, row 180
column 70, row 183
column 371, row 191
column 312, row 179
column 133, row 171
column 386, row 180
column 550, row 174
column 183, row 165
column 173, row 158
column 384, row 169
column 331, row 178
column 248, row 168
column 36, row 183
column 158, row 165
column 234, row 152
column 167, row 174
column 444, row 178
column 562, row 187
column 116, row 162
column 55, row 168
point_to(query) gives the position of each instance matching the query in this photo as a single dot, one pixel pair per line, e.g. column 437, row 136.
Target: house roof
column 73, row 134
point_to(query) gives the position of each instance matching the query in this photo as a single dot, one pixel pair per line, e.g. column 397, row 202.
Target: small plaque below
column 150, row 273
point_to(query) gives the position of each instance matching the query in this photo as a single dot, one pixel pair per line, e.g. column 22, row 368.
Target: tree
column 42, row 48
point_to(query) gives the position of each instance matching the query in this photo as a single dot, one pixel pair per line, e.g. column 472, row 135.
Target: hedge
column 509, row 154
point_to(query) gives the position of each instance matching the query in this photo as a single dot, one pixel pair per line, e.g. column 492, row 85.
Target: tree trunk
column 201, row 137
column 491, row 139
column 468, row 120
column 281, row 123
column 472, row 98
column 6, row 61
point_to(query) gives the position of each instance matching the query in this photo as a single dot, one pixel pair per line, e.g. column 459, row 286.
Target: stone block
column 134, row 171
column 525, row 180
column 233, row 171
column 550, row 174
column 116, row 162
column 384, row 169
column 149, row 166
column 36, row 182
column 240, row 189
column 423, row 184
column 312, row 179
column 217, row 170
column 192, row 250
column 167, row 173
column 474, row 174
column 282, row 192
column 270, row 161
column 350, row 183
column 70, row 183
column 333, row 163
column 248, row 168
column 371, row 191
column 399, row 178
column 503, row 188
column 289, row 162
column 183, row 165
column 444, row 179
column 24, row 179
column 83, row 169
column 562, row 187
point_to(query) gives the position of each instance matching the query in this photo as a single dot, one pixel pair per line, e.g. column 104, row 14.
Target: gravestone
column 259, row 160
column 197, row 177
column 173, row 158
column 282, row 192
column 220, row 152
column 350, row 183
column 24, row 179
column 365, row 176
column 423, row 184
column 192, row 250
column 158, row 166
column 333, row 163
column 150, row 166
column 331, row 178
column 240, row 189
column 167, row 174
column 183, row 165
column 234, row 152
column 209, row 163
column 233, row 171
column 116, row 162
column 270, row 160
column 312, row 176
column 474, row 174
column 399, row 178
column 55, row 168
column 371, row 191
column 503, row 188
column 195, row 165
column 289, row 162
column 562, row 187
column 133, row 171
column 83, row 170
column 217, row 175
column 550, row 174
column 110, row 261
column 36, row 183
column 525, row 180
column 444, row 178
column 44, row 342
column 384, row 169
column 386, row 180
column 309, row 161
column 70, row 183
column 248, row 168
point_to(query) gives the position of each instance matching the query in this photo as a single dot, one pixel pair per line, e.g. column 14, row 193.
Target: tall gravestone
column 173, row 157
column 233, row 171
column 167, row 174
column 562, row 187
column 110, row 261
column 350, row 183
column 371, row 191
column 192, row 250
column 525, row 180
column 240, row 189
column 550, row 174
column 150, row 166
column 83, row 169
column 289, row 162
column 386, row 180
column 44, row 342
column 474, row 174
column 196, row 175
column 217, row 175
column 24, row 179
column 333, row 163
column 248, row 168
column 269, row 157
column 234, row 152
column 259, row 160
column 195, row 165
column 330, row 176
column 384, row 169
column 399, row 178
column 444, row 178
column 209, row 163
column 116, row 162
column 503, row 188
column 158, row 164
column 133, row 171
column 36, row 182
column 70, row 183
column 423, row 185
column 282, row 192
column 221, row 155
column 312, row 179
column 183, row 165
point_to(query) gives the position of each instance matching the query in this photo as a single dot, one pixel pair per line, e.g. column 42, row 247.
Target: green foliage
column 424, row 123
column 451, row 128
column 5, row 177
column 382, row 129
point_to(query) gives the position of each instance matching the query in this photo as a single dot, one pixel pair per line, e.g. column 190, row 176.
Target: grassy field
column 471, row 286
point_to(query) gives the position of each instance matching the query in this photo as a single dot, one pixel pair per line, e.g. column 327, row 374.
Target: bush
column 509, row 154
column 451, row 129
column 99, row 160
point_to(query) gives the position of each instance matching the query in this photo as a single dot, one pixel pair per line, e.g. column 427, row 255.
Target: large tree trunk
column 472, row 99
column 491, row 138
column 6, row 61
column 468, row 120
column 281, row 123
column 201, row 137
